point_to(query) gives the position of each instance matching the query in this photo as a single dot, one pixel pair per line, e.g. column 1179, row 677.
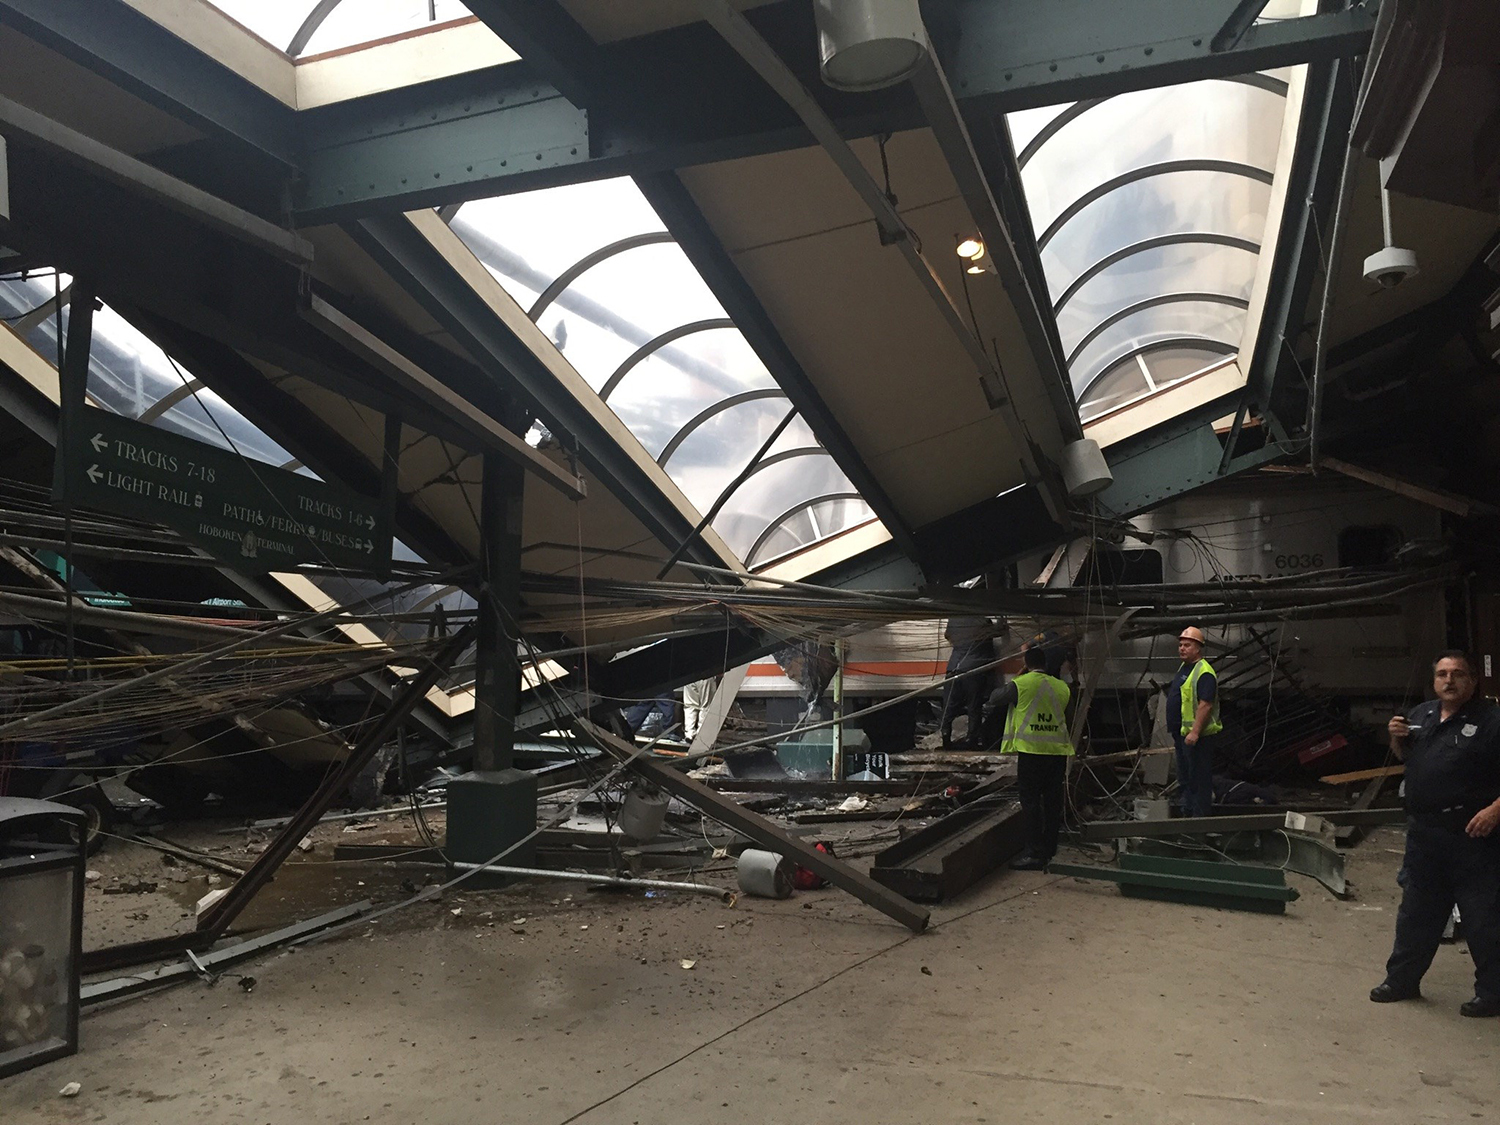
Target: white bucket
column 765, row 874
column 642, row 814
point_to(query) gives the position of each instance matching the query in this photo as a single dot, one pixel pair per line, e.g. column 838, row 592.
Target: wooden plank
column 1363, row 775
column 1437, row 497
column 801, row 787
column 758, row 829
column 1046, row 575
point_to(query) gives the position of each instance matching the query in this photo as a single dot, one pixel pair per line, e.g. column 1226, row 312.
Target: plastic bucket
column 765, row 874
column 642, row 814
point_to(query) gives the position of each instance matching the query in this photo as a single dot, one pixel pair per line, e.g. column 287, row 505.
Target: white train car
column 1265, row 526
column 1299, row 525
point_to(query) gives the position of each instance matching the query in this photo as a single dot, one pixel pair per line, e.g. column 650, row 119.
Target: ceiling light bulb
column 971, row 248
column 975, row 269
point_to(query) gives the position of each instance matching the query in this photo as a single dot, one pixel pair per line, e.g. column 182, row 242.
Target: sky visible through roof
column 644, row 330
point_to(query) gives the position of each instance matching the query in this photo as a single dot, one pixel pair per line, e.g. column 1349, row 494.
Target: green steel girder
column 1180, row 457
column 1016, row 54
column 489, row 126
column 675, row 98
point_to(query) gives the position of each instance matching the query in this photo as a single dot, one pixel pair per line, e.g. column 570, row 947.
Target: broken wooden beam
column 1380, row 773
column 758, row 829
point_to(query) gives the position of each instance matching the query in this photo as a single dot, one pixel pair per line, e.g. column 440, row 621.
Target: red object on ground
column 805, row 880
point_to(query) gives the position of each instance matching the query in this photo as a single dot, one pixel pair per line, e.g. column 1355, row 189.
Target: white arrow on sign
column 99, row 443
column 369, row 546
column 94, row 474
column 370, row 522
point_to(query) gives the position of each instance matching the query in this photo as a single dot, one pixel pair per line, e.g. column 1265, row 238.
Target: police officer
column 1196, row 694
column 1452, row 749
column 1036, row 731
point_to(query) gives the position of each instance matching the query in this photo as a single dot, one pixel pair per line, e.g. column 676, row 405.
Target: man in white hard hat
column 1194, row 699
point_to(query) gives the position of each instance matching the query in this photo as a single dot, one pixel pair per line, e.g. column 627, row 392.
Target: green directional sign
column 254, row 517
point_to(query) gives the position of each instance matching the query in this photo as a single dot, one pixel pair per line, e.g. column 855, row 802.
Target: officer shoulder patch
column 1469, row 730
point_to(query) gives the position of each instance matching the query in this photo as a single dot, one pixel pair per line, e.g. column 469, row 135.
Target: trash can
column 41, row 931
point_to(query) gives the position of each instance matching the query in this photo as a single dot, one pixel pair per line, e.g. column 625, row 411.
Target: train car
column 1357, row 666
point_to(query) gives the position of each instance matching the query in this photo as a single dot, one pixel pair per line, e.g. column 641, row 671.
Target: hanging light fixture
column 869, row 44
column 971, row 248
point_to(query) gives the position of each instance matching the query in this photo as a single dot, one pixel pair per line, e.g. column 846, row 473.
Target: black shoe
column 1028, row 863
column 1387, row 993
column 1480, row 1007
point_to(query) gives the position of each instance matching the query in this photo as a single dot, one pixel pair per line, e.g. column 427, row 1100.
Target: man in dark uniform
column 1452, row 750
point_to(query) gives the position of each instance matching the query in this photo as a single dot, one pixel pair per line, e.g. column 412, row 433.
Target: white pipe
column 599, row 880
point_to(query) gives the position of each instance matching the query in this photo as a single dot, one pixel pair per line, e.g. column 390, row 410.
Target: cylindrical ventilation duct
column 869, row 44
column 1084, row 469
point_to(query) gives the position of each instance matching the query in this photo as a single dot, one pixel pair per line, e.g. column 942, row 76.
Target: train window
column 1108, row 565
column 1369, row 546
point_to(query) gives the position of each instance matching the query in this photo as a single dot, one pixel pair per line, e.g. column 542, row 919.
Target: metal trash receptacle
column 41, row 931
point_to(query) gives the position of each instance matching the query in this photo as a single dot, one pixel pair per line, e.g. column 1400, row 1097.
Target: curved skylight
column 313, row 27
column 1150, row 211
column 602, row 278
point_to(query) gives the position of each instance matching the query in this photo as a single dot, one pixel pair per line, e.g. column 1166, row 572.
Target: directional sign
column 254, row 517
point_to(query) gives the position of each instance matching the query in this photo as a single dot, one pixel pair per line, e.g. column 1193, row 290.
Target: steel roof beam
column 978, row 184
column 1017, row 54
column 677, row 209
column 1312, row 184
column 679, row 97
column 140, row 56
column 422, row 270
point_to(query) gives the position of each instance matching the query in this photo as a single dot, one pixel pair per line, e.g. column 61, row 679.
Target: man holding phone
column 1451, row 746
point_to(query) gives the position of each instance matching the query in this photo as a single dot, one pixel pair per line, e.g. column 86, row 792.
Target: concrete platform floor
column 1032, row 998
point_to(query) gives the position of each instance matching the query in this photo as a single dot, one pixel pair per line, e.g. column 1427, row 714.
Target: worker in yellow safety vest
column 1036, row 731
column 1193, row 700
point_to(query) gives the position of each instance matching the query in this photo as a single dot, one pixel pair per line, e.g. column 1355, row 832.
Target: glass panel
column 1025, row 124
column 609, row 311
column 769, row 493
column 810, row 525
column 196, row 415
column 622, row 303
column 1124, row 382
column 665, row 391
column 1184, row 268
column 1171, row 365
column 797, row 435
column 1192, row 319
column 528, row 240
column 274, row 22
column 1200, row 121
column 718, row 450
column 362, row 21
column 1174, row 203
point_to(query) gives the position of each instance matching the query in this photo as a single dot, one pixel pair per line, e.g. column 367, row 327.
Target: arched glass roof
column 1150, row 210
column 315, row 27
column 610, row 287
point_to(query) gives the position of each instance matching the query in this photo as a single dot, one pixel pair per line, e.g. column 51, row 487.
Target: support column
column 497, row 677
column 495, row 805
